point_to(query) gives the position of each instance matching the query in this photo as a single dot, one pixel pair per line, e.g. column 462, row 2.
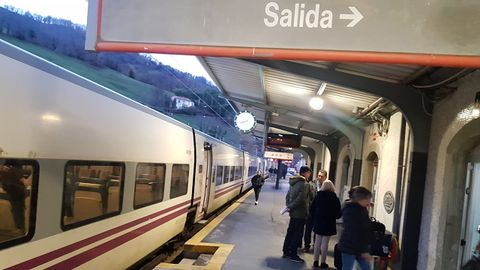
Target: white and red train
column 109, row 180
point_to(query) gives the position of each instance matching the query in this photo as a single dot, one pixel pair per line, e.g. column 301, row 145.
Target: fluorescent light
column 316, row 103
column 321, row 89
column 50, row 117
column 476, row 113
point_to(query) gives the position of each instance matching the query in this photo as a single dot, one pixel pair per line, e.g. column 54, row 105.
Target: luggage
column 381, row 243
column 377, row 227
column 337, row 257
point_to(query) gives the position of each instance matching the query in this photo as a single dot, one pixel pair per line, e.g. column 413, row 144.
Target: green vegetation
column 106, row 77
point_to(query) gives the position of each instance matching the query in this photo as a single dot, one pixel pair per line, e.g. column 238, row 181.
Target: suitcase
column 337, row 257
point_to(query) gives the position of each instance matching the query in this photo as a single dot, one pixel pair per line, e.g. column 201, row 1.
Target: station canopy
column 278, row 92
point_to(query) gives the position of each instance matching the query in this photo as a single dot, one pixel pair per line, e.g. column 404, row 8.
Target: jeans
column 348, row 261
column 293, row 239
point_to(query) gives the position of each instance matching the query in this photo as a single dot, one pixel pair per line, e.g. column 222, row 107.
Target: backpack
column 380, row 243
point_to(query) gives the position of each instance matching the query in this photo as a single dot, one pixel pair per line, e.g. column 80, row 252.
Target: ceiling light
column 316, row 103
column 50, row 117
column 321, row 89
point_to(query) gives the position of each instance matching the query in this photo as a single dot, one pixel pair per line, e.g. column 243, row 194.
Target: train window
column 149, row 184
column 219, row 176
column 92, row 191
column 18, row 200
column 179, row 184
column 251, row 171
column 226, row 174
column 238, row 173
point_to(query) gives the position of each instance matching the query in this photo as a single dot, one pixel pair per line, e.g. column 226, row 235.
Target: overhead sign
column 245, row 121
column 409, row 31
column 278, row 155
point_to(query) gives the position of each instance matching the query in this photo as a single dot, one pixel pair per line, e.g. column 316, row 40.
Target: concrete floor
column 258, row 231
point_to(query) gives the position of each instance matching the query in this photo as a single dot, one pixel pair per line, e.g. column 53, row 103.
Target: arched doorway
column 344, row 183
column 370, row 177
column 462, row 197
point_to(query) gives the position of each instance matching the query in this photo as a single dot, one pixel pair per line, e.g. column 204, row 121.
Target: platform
column 252, row 236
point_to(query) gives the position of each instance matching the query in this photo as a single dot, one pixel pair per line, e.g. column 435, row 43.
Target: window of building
column 149, row 184
column 92, row 191
column 179, row 184
column 219, row 176
column 18, row 200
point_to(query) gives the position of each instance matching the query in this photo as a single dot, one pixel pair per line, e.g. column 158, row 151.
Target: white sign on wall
column 278, row 155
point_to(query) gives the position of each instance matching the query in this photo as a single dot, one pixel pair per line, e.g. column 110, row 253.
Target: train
column 103, row 180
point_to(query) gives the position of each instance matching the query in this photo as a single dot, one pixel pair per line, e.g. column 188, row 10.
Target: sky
column 76, row 11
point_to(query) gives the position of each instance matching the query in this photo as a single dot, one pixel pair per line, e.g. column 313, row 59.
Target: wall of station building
column 454, row 134
column 383, row 169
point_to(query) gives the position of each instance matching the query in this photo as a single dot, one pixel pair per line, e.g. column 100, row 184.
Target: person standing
column 354, row 242
column 296, row 202
column 11, row 178
column 311, row 191
column 257, row 182
column 321, row 177
column 325, row 210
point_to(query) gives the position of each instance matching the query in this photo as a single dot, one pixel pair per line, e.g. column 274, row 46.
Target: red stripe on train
column 34, row 262
column 219, row 194
column 92, row 253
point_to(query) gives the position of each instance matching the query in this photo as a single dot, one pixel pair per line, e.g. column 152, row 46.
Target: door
column 207, row 182
column 471, row 214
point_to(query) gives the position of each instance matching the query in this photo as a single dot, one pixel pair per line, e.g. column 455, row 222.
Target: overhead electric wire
column 440, row 83
column 193, row 92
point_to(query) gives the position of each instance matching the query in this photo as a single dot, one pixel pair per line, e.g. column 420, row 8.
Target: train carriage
column 107, row 180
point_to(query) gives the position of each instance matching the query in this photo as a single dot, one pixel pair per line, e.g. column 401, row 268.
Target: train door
column 207, row 181
column 471, row 214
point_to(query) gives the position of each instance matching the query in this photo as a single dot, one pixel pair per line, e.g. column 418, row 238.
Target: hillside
column 133, row 75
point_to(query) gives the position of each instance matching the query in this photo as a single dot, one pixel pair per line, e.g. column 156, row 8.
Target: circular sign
column 389, row 202
column 245, row 121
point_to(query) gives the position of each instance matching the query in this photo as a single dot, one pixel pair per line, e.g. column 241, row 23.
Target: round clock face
column 245, row 121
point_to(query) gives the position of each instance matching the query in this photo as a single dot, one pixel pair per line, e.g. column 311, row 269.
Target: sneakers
column 256, row 203
column 324, row 266
column 315, row 263
column 306, row 249
column 297, row 259
column 285, row 256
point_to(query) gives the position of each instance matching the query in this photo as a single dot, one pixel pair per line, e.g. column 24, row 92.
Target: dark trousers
column 257, row 190
column 293, row 239
column 307, row 238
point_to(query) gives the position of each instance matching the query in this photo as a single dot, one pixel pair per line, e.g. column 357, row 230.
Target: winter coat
column 258, row 180
column 296, row 199
column 356, row 234
column 325, row 211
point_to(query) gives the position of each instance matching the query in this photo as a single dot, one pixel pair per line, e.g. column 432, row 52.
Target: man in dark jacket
column 257, row 182
column 297, row 205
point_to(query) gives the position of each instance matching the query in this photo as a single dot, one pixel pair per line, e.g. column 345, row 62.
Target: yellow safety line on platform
column 221, row 251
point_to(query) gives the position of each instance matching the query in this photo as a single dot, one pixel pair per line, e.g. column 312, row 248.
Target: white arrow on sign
column 356, row 16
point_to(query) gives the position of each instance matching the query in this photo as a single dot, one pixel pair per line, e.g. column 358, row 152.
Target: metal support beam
column 329, row 141
column 353, row 133
column 407, row 98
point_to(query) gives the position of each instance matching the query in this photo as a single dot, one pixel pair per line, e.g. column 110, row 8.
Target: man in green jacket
column 297, row 205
